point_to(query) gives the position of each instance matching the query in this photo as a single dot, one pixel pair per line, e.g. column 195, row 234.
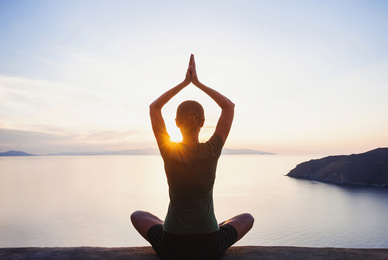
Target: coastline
column 234, row 253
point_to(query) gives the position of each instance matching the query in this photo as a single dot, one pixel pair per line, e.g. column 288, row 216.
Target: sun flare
column 175, row 136
column 174, row 133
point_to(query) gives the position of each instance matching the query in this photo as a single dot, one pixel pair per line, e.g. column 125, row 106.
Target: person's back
column 191, row 172
column 190, row 230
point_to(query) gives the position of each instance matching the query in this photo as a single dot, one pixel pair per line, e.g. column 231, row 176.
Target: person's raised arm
column 157, row 121
column 225, row 121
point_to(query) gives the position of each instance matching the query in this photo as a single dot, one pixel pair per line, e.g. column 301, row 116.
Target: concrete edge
column 234, row 253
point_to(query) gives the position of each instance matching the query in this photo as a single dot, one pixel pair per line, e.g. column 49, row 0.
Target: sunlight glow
column 174, row 133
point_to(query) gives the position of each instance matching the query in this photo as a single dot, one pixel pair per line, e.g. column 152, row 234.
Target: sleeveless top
column 191, row 171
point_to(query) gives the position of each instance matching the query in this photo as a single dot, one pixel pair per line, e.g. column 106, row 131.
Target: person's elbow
column 154, row 106
column 230, row 105
column 228, row 108
column 154, row 109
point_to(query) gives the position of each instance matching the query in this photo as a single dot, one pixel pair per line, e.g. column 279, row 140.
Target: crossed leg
column 242, row 223
column 143, row 221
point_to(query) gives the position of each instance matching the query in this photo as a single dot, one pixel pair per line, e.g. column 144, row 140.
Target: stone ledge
column 234, row 253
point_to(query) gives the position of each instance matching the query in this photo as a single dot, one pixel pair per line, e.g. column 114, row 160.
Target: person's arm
column 157, row 121
column 225, row 121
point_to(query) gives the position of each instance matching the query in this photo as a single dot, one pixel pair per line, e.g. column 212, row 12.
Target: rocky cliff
column 370, row 168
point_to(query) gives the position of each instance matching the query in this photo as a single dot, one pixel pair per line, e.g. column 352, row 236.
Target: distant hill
column 370, row 168
column 16, row 153
column 147, row 151
column 153, row 151
column 243, row 151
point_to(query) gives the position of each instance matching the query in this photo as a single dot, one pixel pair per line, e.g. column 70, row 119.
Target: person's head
column 190, row 117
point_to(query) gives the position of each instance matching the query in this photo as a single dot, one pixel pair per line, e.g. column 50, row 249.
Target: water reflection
column 86, row 201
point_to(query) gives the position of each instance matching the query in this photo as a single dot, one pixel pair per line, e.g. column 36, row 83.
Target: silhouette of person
column 190, row 229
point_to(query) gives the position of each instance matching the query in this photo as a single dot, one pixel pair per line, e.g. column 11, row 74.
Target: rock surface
column 370, row 168
column 235, row 253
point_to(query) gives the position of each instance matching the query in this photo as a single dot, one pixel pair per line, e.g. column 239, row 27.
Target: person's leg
column 143, row 221
column 242, row 223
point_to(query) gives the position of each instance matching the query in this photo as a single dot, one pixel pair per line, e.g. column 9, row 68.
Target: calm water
column 86, row 201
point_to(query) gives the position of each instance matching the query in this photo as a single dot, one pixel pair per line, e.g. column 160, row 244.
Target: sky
column 307, row 77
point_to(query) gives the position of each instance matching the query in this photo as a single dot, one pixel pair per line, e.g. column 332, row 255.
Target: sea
column 66, row 201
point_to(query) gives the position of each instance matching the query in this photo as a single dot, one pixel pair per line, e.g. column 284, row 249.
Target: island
column 16, row 153
column 370, row 169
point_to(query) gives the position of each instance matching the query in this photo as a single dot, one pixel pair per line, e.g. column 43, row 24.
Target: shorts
column 199, row 246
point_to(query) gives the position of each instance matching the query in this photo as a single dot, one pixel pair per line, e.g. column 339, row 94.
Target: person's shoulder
column 214, row 145
column 168, row 148
column 215, row 138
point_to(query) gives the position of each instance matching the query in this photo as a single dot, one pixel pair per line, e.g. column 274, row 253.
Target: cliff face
column 370, row 168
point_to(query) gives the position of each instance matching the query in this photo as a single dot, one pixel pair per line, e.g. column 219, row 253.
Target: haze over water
column 87, row 200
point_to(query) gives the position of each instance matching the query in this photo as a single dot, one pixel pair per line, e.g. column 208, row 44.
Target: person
column 190, row 229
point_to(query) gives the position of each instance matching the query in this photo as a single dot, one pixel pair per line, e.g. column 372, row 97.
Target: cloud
column 45, row 143
column 40, row 105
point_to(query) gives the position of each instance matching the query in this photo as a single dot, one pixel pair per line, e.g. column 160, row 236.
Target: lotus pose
column 190, row 229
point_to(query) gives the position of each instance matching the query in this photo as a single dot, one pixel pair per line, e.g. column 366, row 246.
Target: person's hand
column 187, row 79
column 193, row 71
column 188, row 73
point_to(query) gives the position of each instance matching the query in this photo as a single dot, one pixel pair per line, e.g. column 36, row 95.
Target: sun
column 174, row 133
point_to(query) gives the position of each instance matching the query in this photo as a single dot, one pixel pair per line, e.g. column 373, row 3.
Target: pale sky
column 306, row 76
